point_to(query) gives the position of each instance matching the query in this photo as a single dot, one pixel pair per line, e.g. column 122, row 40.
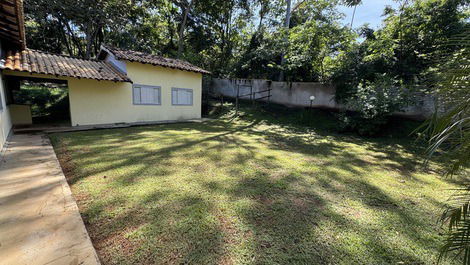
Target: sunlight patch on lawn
column 250, row 192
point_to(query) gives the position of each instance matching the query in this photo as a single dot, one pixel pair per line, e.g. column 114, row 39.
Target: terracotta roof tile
column 146, row 58
column 33, row 61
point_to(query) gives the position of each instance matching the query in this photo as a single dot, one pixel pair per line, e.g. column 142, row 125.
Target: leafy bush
column 372, row 104
column 352, row 121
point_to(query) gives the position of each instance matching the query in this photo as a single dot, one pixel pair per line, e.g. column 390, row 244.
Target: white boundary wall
column 286, row 93
column 297, row 94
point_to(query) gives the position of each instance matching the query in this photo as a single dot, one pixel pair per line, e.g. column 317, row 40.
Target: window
column 146, row 95
column 182, row 96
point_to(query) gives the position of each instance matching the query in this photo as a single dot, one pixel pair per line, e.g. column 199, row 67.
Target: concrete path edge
column 40, row 221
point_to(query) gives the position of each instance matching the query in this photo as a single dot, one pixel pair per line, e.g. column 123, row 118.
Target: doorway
column 38, row 103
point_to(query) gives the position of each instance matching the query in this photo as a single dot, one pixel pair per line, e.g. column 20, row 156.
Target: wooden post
column 269, row 95
column 236, row 99
column 252, row 95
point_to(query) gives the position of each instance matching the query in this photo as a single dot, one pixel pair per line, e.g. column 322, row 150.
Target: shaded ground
column 40, row 222
column 253, row 190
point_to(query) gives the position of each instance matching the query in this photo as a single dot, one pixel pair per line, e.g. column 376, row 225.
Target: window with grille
column 146, row 95
column 182, row 96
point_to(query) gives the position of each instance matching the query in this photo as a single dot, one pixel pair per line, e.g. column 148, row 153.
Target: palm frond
column 449, row 127
column 449, row 133
column 457, row 216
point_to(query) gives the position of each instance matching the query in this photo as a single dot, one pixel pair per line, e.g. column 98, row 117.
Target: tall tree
column 354, row 4
column 286, row 27
column 186, row 9
column 81, row 25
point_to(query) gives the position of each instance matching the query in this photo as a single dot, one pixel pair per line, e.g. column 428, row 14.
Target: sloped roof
column 134, row 56
column 12, row 22
column 33, row 61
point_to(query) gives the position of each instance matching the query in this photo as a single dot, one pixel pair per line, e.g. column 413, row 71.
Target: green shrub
column 372, row 104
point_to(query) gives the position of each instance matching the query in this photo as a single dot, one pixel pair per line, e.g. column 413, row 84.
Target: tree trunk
column 224, row 48
column 182, row 27
column 286, row 26
column 169, row 47
column 73, row 37
column 89, row 36
column 400, row 33
column 228, row 51
column 352, row 19
column 67, row 44
column 261, row 17
column 262, row 13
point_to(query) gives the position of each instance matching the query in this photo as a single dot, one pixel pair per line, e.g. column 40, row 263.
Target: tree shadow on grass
column 248, row 207
column 155, row 230
column 286, row 223
column 138, row 155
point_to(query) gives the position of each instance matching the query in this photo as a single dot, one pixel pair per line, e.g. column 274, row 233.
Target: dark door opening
column 45, row 101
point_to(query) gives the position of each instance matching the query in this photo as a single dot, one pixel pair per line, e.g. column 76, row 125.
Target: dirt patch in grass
column 126, row 247
column 65, row 160
column 230, row 238
column 111, row 236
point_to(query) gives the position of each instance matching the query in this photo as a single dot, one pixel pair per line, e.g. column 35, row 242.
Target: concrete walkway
column 55, row 129
column 39, row 219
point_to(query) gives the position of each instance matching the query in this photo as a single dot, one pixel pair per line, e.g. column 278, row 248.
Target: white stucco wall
column 298, row 94
column 20, row 114
column 102, row 102
column 290, row 94
column 5, row 121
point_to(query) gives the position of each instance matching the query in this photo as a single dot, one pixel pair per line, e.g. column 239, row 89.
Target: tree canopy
column 248, row 38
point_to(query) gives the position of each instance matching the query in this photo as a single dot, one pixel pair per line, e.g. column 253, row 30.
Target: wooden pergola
column 12, row 22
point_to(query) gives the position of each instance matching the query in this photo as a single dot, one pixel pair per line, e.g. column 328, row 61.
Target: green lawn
column 254, row 190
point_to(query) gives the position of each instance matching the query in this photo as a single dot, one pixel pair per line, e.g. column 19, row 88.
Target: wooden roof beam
column 8, row 13
column 12, row 27
column 9, row 20
column 9, row 37
column 7, row 3
column 20, row 19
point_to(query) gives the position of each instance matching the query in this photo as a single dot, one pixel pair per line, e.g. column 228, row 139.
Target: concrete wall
column 101, row 102
column 424, row 106
column 297, row 94
column 290, row 94
column 21, row 114
column 5, row 121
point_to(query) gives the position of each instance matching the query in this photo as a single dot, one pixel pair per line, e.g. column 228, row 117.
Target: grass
column 258, row 189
